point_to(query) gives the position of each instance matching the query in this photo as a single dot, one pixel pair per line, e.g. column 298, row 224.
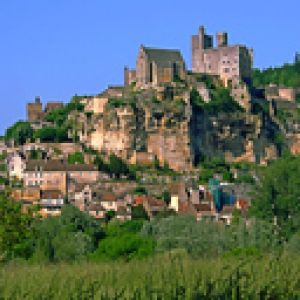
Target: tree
column 117, row 166
column 15, row 229
column 19, row 133
column 71, row 236
column 140, row 190
column 166, row 196
column 138, row 213
column 76, row 158
column 277, row 195
column 52, row 134
column 123, row 240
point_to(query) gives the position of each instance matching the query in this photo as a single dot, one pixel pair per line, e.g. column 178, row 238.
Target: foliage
column 123, row 241
column 172, row 276
column 4, row 181
column 71, row 236
column 140, row 190
column 20, row 132
column 76, row 158
column 221, row 101
column 52, row 134
column 60, row 116
column 215, row 165
column 15, row 228
column 138, row 213
column 117, row 166
column 277, row 195
column 166, row 196
column 3, row 167
column 287, row 75
column 36, row 154
column 207, row 238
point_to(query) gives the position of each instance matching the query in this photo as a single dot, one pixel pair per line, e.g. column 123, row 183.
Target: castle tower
column 35, row 110
column 222, row 39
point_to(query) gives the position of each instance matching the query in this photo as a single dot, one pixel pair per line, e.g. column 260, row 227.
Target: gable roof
column 161, row 56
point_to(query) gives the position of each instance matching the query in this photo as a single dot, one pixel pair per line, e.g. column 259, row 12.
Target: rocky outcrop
column 141, row 126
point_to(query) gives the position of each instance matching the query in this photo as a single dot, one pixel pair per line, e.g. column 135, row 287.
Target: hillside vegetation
column 286, row 75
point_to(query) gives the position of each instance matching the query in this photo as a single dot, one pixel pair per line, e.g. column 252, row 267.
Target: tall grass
column 161, row 277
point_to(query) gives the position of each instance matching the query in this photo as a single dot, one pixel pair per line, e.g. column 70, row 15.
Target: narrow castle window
column 151, row 72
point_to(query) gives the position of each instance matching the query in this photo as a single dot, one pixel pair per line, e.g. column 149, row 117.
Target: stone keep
column 231, row 62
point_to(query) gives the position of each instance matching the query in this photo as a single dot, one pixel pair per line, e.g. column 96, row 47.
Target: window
column 151, row 72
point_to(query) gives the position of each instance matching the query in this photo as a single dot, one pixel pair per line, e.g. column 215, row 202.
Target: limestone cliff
column 162, row 123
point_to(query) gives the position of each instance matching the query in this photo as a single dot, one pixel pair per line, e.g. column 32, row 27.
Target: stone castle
column 231, row 63
column 36, row 113
column 151, row 116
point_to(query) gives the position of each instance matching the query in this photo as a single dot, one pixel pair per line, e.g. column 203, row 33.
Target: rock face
column 236, row 136
column 138, row 127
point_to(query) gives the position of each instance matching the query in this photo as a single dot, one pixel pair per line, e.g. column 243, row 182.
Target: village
column 134, row 151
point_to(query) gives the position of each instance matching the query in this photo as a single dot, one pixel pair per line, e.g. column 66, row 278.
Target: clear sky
column 57, row 48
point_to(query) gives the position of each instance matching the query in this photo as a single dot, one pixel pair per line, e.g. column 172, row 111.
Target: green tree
column 15, row 229
column 52, row 134
column 123, row 240
column 71, row 236
column 117, row 166
column 277, row 195
column 19, row 133
column 166, row 196
column 138, row 213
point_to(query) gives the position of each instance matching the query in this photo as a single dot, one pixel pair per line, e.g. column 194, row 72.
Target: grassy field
column 162, row 277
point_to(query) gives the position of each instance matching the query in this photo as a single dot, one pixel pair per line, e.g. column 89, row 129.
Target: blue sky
column 58, row 48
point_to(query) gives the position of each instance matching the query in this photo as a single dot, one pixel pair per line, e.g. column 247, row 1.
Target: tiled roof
column 155, row 202
column 108, row 197
column 177, row 188
column 161, row 56
column 57, row 165
column 202, row 207
column 79, row 187
column 52, row 194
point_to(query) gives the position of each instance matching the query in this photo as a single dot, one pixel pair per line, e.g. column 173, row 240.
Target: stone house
column 51, row 203
column 274, row 92
column 56, row 174
column 231, row 62
column 204, row 211
column 155, row 67
column 16, row 165
column 109, row 201
column 153, row 206
column 97, row 211
column 178, row 195
column 123, row 213
column 27, row 195
column 82, row 196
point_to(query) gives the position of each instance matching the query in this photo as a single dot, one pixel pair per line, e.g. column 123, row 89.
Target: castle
column 232, row 63
column 152, row 117
column 35, row 112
